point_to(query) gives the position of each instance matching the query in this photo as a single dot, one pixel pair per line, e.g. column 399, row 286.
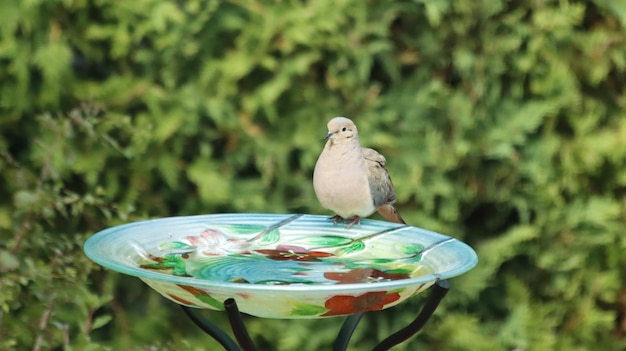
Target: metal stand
column 245, row 343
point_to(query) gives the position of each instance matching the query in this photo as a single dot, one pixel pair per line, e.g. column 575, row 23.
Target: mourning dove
column 350, row 180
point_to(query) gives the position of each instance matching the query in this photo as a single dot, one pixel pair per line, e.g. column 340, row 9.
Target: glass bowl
column 281, row 265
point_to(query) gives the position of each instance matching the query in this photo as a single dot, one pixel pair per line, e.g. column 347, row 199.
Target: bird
column 350, row 180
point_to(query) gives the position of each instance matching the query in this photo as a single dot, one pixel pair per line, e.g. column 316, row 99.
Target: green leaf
column 305, row 309
column 271, row 237
column 8, row 261
column 213, row 187
column 170, row 261
column 240, row 229
column 218, row 305
column 412, row 249
column 100, row 321
column 355, row 247
column 176, row 245
column 24, row 199
column 324, row 240
column 54, row 60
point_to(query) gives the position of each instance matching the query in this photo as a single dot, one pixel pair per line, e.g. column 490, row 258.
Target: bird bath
column 281, row 266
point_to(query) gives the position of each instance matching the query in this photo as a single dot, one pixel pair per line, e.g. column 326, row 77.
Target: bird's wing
column 379, row 180
column 381, row 187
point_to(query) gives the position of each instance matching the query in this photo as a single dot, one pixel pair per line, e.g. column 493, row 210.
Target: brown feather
column 390, row 213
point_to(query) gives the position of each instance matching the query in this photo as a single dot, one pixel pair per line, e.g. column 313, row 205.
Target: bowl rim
column 90, row 247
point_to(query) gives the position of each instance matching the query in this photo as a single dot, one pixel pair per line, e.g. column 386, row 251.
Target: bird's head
column 341, row 129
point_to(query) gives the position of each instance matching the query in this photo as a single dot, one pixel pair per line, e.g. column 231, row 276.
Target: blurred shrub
column 503, row 123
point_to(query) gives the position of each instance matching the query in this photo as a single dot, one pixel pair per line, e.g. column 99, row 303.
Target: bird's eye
column 343, row 129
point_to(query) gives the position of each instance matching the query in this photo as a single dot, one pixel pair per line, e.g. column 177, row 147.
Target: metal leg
column 348, row 327
column 437, row 294
column 239, row 329
column 211, row 329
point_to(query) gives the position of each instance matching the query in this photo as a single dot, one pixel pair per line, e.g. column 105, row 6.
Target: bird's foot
column 355, row 219
column 335, row 219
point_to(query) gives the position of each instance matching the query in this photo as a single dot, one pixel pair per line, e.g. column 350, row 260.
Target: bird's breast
column 341, row 183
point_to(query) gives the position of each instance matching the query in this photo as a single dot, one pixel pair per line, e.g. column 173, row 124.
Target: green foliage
column 503, row 124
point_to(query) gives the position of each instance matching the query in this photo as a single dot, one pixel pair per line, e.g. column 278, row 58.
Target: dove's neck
column 345, row 150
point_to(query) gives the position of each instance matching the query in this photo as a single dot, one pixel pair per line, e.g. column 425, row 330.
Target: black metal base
column 245, row 343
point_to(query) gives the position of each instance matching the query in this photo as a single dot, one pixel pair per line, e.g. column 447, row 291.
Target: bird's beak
column 328, row 135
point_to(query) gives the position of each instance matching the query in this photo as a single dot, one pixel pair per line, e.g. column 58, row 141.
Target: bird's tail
column 390, row 213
